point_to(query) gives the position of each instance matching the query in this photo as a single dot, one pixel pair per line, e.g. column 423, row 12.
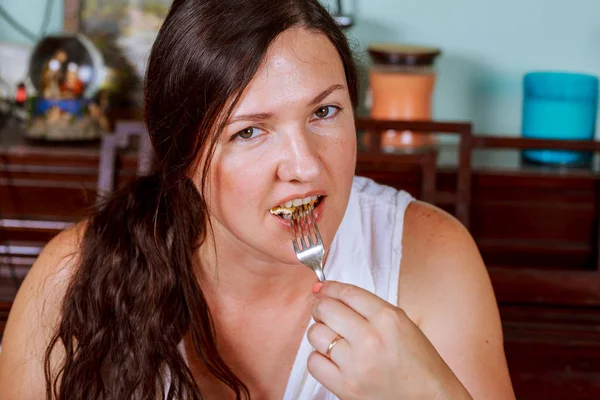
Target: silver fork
column 307, row 241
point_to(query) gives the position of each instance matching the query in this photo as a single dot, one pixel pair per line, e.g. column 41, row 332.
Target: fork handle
column 319, row 271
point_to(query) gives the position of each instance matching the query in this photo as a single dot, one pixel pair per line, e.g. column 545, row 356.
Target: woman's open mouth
column 284, row 212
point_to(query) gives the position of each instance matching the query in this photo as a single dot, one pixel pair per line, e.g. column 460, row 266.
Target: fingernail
column 317, row 287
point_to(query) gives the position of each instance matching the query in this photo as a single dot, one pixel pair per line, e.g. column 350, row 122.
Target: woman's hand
column 381, row 354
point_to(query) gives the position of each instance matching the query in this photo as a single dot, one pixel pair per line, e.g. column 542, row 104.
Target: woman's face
column 291, row 136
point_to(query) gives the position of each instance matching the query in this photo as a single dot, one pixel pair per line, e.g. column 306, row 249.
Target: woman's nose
column 300, row 158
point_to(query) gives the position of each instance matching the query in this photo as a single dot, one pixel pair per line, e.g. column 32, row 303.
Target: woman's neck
column 229, row 273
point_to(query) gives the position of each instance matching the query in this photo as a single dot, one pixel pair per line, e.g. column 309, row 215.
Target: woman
column 184, row 285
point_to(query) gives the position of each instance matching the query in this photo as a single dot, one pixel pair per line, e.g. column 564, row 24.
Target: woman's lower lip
column 318, row 213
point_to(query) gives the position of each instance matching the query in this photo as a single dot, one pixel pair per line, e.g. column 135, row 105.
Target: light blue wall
column 487, row 47
column 29, row 13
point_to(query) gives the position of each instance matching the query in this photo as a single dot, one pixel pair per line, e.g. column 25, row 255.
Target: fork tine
column 306, row 234
column 314, row 224
column 297, row 228
column 310, row 239
column 299, row 233
column 304, row 231
column 295, row 239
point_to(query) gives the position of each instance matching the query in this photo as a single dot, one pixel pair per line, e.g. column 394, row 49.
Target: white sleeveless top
column 365, row 252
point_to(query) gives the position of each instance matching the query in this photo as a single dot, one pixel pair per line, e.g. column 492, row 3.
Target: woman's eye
column 248, row 133
column 326, row 112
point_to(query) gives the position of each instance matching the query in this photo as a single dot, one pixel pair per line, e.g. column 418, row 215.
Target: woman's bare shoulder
column 34, row 316
column 435, row 245
column 56, row 263
column 445, row 288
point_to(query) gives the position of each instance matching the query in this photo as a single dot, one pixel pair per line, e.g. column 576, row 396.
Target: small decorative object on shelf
column 342, row 19
column 67, row 72
column 21, row 94
column 559, row 105
column 401, row 84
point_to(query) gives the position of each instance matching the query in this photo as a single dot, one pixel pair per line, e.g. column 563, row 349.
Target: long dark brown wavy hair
column 134, row 293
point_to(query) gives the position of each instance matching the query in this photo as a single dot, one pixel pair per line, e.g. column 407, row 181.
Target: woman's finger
column 326, row 373
column 360, row 300
column 321, row 337
column 341, row 319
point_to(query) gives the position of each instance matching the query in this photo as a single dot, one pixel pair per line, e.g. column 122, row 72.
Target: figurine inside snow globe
column 68, row 74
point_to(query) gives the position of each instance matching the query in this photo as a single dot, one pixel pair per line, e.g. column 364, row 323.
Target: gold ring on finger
column 331, row 346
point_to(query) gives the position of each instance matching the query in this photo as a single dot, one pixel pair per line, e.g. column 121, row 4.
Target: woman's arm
column 34, row 317
column 445, row 288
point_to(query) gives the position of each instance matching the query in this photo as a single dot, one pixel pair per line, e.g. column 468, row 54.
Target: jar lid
column 402, row 54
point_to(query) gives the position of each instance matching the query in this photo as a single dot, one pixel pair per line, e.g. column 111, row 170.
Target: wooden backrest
column 461, row 199
column 120, row 140
column 425, row 160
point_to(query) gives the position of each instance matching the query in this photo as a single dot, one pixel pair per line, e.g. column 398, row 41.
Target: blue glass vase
column 559, row 105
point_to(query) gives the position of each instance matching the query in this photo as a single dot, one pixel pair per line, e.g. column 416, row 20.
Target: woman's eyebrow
column 251, row 117
column 264, row 116
column 326, row 93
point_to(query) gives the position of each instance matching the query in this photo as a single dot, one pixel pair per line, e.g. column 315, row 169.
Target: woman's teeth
column 299, row 202
column 287, row 210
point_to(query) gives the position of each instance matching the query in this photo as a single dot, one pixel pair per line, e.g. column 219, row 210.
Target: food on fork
column 286, row 210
